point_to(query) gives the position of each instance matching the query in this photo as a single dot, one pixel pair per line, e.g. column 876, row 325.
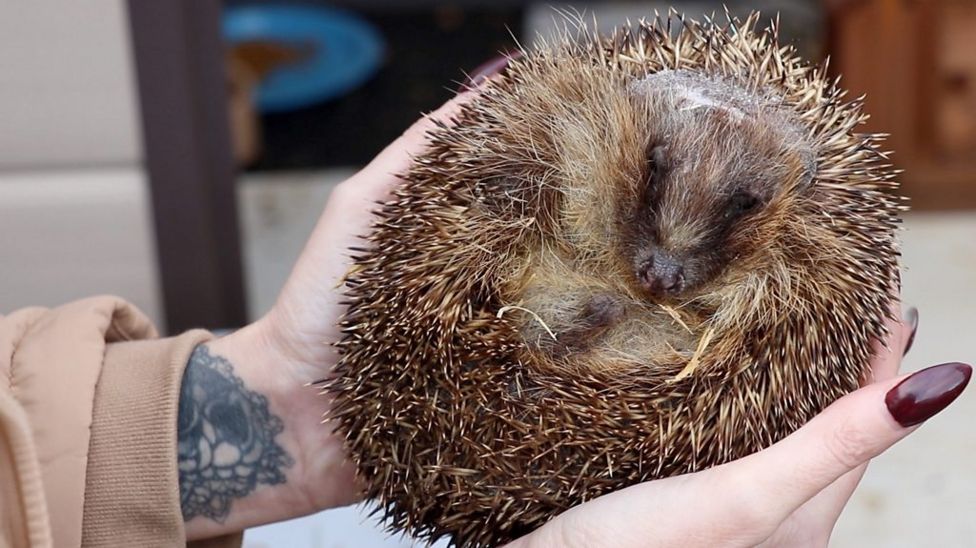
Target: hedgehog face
column 704, row 199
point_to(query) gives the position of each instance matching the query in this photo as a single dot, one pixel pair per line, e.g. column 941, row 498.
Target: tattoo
column 225, row 438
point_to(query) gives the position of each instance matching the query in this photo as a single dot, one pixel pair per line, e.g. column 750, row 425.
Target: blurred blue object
column 344, row 51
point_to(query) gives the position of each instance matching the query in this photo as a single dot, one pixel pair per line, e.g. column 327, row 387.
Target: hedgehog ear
column 809, row 173
column 656, row 157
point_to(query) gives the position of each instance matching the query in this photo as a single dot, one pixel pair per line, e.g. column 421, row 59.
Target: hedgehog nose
column 662, row 274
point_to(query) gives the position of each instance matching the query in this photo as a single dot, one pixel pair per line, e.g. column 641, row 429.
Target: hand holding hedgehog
column 607, row 313
column 788, row 494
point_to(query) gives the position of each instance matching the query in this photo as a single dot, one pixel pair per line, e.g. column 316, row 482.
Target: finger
column 347, row 213
column 888, row 353
column 348, row 210
column 666, row 512
column 911, row 320
column 828, row 503
column 396, row 158
column 824, row 509
column 845, row 436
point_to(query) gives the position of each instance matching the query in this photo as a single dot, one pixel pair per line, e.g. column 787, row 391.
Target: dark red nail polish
column 911, row 317
column 488, row 69
column 927, row 392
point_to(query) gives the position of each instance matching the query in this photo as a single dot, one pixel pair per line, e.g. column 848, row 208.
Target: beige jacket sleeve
column 88, row 410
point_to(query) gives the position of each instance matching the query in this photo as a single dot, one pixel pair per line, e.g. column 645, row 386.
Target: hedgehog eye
column 656, row 167
column 742, row 202
column 656, row 160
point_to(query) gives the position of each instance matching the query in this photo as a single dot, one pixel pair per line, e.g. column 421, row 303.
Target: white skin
column 790, row 494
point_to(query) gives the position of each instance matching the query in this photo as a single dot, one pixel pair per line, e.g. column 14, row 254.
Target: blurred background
column 178, row 154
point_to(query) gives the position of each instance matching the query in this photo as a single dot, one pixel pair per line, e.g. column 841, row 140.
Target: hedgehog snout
column 662, row 273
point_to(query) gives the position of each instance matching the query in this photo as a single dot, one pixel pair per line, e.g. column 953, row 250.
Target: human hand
column 278, row 356
column 281, row 353
column 789, row 494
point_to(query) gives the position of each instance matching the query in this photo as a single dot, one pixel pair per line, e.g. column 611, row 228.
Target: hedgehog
column 630, row 257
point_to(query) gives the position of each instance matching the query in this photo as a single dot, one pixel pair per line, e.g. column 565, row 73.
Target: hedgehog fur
column 502, row 360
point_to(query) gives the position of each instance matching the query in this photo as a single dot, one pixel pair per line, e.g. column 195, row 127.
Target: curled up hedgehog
column 631, row 257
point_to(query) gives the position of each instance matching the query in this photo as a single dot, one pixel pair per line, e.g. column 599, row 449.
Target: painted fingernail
column 911, row 318
column 488, row 69
column 926, row 392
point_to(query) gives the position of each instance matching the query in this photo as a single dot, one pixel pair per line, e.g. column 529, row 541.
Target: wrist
column 314, row 473
column 274, row 368
column 256, row 359
column 270, row 367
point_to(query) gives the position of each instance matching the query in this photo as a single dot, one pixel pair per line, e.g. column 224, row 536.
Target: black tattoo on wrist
column 225, row 438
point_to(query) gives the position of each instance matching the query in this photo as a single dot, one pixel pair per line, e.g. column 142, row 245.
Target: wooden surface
column 179, row 58
column 915, row 60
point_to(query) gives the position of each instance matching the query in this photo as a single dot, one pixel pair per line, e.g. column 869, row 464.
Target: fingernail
column 488, row 69
column 926, row 392
column 911, row 318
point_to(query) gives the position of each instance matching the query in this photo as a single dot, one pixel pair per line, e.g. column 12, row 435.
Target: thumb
column 850, row 432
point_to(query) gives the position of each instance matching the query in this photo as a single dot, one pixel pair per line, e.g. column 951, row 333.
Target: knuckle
column 748, row 507
column 749, row 511
column 419, row 130
column 569, row 531
column 343, row 193
column 848, row 445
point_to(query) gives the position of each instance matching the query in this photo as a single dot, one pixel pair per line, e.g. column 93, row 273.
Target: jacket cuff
column 132, row 493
